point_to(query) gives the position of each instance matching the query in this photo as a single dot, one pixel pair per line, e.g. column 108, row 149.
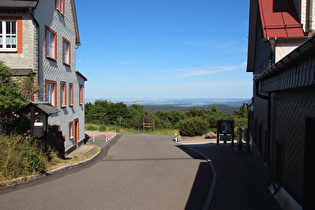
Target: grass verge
column 105, row 128
column 22, row 157
column 57, row 162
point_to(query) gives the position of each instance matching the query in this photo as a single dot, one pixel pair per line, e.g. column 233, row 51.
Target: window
column 70, row 130
column 63, row 95
column 60, row 5
column 81, row 94
column 8, row 35
column 51, row 44
column 71, row 94
column 66, row 52
column 11, row 34
column 50, row 92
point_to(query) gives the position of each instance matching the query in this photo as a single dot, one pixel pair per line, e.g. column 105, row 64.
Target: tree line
column 119, row 114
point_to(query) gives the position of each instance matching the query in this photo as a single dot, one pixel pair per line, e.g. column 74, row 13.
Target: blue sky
column 164, row 48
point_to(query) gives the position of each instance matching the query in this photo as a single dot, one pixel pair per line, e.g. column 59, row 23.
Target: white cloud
column 209, row 70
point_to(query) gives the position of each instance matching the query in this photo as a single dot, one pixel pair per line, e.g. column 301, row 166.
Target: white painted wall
column 281, row 50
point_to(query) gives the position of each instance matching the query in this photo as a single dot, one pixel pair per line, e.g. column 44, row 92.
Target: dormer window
column 8, row 35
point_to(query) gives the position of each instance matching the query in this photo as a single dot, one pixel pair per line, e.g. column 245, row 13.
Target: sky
column 164, row 48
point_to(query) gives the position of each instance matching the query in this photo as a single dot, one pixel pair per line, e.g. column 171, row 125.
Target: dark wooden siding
column 291, row 108
column 299, row 75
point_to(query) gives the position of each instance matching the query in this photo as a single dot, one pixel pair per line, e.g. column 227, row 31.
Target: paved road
column 135, row 171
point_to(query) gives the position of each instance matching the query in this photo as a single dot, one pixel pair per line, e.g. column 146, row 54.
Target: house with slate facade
column 281, row 57
column 41, row 37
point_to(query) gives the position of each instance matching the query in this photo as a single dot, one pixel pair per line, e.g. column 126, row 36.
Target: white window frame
column 60, row 6
column 71, row 94
column 63, row 94
column 51, row 44
column 5, row 36
column 51, row 93
column 66, row 52
column 71, row 136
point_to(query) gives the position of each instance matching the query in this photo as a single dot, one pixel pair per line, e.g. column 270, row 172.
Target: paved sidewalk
column 240, row 182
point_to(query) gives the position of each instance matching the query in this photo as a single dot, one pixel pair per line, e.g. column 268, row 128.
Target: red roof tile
column 279, row 19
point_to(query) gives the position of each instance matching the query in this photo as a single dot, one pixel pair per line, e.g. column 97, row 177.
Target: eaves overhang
column 81, row 75
column 305, row 49
column 43, row 107
column 12, row 4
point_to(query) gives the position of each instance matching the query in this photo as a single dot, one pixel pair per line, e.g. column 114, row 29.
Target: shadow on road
column 202, row 183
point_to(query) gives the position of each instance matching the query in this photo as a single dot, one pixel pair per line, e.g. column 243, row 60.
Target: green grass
column 91, row 127
column 107, row 128
column 20, row 157
column 57, row 161
column 157, row 131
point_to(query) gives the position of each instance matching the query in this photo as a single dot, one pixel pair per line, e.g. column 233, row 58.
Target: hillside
column 225, row 109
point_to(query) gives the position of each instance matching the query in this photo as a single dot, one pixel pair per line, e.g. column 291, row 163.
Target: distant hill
column 225, row 105
column 177, row 101
column 225, row 109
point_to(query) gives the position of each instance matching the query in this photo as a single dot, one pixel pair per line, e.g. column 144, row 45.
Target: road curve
column 135, row 171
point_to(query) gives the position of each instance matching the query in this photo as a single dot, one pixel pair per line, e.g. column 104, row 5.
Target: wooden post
column 32, row 120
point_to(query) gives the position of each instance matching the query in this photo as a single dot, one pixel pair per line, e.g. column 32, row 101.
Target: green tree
column 12, row 98
column 242, row 112
column 135, row 114
column 214, row 109
column 28, row 87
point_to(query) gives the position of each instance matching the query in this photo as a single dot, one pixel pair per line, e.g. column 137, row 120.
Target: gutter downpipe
column 268, row 98
column 31, row 10
column 310, row 17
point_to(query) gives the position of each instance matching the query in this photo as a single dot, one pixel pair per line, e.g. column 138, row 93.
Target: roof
column 18, row 4
column 148, row 117
column 279, row 19
column 75, row 21
column 44, row 107
column 21, row 72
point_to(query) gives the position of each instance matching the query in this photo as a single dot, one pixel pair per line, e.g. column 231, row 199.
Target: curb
column 211, row 191
column 20, row 180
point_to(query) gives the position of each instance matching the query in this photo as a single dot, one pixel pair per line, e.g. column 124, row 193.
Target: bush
column 91, row 127
column 195, row 126
column 102, row 128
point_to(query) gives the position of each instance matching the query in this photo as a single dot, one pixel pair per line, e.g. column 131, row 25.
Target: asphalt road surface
column 133, row 171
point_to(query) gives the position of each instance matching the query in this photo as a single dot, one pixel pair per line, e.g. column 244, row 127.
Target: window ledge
column 50, row 58
column 60, row 12
column 8, row 50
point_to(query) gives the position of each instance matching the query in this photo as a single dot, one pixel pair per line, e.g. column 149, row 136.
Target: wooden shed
column 148, row 122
